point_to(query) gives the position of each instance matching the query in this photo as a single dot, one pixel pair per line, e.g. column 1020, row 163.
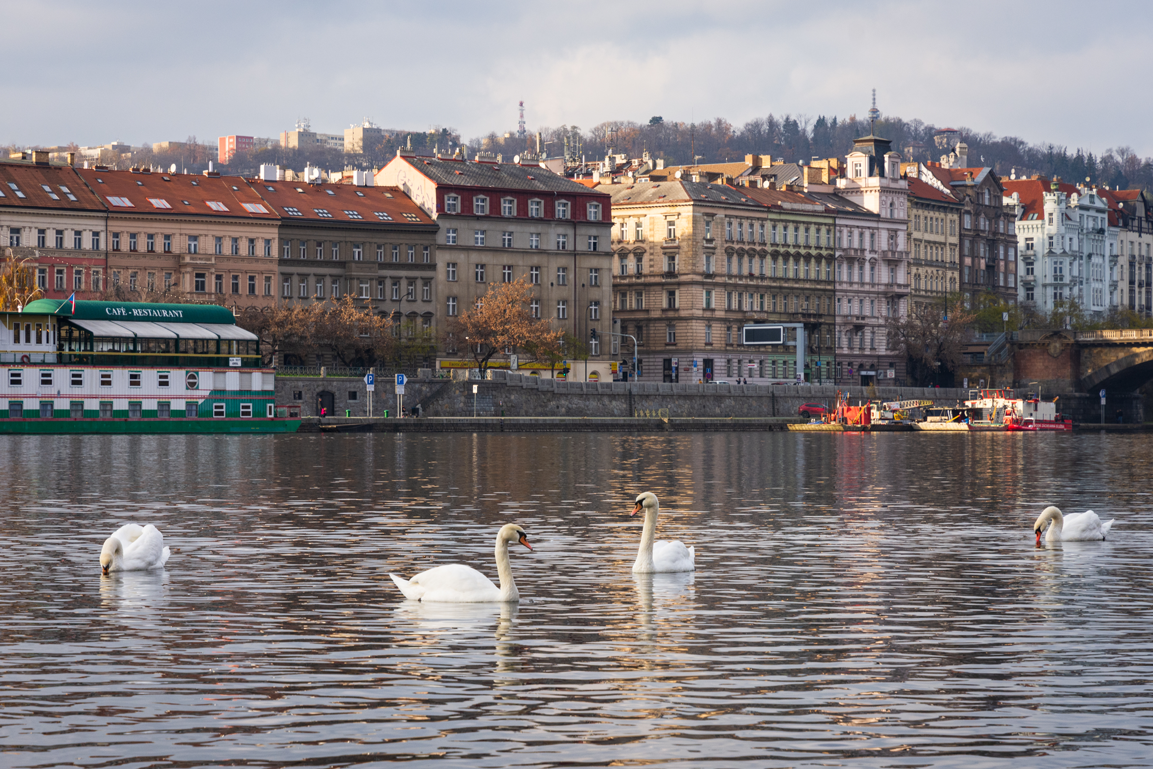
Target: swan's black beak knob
column 524, row 541
column 636, row 509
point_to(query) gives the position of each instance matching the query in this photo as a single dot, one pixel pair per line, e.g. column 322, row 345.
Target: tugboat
column 1037, row 415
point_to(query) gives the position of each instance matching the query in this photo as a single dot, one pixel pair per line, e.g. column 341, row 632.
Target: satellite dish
column 516, row 159
column 172, row 168
column 678, row 174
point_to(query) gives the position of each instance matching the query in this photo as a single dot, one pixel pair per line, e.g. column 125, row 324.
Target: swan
column 457, row 583
column 1076, row 526
column 659, row 556
column 132, row 548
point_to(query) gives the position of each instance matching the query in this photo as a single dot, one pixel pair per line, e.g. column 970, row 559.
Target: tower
column 520, row 132
column 874, row 113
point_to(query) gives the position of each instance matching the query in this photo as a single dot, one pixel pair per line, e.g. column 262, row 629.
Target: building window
column 506, row 239
column 639, row 231
column 480, row 205
column 534, row 240
column 479, row 270
column 594, row 276
column 506, row 273
column 451, row 311
column 357, row 252
column 396, row 291
column 236, row 284
column 670, row 334
column 594, row 310
column 478, row 237
column 534, row 275
column 561, row 242
column 508, row 207
column 562, row 209
column 671, row 229
column 594, row 213
column 562, row 276
column 561, row 309
column 396, row 253
column 451, row 204
column 534, row 308
column 594, row 242
column 426, row 291
column 410, row 295
column 193, row 244
column 450, row 270
column 199, row 282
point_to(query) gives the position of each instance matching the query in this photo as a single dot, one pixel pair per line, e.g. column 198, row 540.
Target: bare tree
column 501, row 320
column 931, row 337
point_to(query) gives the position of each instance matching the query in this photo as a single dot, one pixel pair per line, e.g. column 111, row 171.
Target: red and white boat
column 1036, row 415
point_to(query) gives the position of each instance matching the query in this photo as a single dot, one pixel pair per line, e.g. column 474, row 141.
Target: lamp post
column 630, row 336
column 475, row 387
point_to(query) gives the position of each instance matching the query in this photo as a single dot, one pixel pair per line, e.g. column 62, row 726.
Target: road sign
column 1102, row 394
column 400, row 389
column 400, row 380
column 370, row 382
column 513, row 362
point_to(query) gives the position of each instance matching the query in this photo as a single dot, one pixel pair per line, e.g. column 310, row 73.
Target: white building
column 1068, row 251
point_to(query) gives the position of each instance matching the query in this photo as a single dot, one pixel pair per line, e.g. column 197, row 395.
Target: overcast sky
column 1056, row 71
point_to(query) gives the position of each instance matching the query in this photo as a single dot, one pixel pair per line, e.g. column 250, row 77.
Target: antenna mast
column 520, row 131
column 874, row 113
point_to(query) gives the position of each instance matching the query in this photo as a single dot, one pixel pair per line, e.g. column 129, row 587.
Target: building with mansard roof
column 499, row 221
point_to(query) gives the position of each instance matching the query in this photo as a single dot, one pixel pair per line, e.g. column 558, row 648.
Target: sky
column 142, row 72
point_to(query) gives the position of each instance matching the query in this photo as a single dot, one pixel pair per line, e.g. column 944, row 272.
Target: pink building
column 230, row 145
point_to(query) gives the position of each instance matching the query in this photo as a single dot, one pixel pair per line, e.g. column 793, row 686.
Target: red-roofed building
column 49, row 216
column 987, row 243
column 1131, row 217
column 500, row 221
column 933, row 227
column 1067, row 247
column 373, row 243
column 210, row 237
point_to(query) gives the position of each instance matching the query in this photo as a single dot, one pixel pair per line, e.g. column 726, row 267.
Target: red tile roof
column 924, row 190
column 165, row 194
column 340, row 202
column 781, row 199
column 1032, row 193
column 65, row 188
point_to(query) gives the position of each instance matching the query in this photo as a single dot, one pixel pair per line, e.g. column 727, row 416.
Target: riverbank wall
column 509, row 394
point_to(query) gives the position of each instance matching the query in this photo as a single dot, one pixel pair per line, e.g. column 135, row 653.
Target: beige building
column 696, row 262
column 50, row 217
column 502, row 221
column 209, row 236
column 933, row 226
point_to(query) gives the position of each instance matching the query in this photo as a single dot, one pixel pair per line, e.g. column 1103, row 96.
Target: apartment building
column 371, row 243
column 1131, row 218
column 933, row 237
column 501, row 221
column 208, row 236
column 50, row 217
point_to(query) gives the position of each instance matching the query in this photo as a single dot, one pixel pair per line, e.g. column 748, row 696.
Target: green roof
column 138, row 311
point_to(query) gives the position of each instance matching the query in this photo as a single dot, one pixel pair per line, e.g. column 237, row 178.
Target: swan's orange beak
column 636, row 509
column 524, row 541
column 1038, row 537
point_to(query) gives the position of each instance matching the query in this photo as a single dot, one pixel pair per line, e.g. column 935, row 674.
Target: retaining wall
column 515, row 395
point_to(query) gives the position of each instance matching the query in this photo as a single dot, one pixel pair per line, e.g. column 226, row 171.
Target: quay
column 619, row 424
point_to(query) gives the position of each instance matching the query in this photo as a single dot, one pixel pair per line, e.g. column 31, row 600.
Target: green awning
column 134, row 311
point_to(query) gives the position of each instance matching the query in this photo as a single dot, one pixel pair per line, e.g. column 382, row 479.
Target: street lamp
column 630, row 336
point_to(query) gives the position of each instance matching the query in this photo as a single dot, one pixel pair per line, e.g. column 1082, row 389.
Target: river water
column 860, row 600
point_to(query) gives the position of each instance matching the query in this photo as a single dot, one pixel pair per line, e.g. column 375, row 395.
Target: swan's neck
column 644, row 560
column 508, row 591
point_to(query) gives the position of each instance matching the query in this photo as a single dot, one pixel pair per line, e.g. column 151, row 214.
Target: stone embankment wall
column 515, row 395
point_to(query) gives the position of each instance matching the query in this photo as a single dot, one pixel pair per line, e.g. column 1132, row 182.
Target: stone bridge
column 1077, row 365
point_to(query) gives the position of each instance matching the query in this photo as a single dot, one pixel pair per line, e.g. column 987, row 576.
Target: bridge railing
column 1116, row 334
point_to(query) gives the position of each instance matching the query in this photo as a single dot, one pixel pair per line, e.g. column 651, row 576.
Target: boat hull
column 941, row 427
column 145, row 426
column 1065, row 426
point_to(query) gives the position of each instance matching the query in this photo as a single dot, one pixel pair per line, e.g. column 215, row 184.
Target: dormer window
column 562, row 209
column 452, row 204
column 594, row 212
column 508, row 206
column 535, row 209
column 858, row 169
column 480, row 205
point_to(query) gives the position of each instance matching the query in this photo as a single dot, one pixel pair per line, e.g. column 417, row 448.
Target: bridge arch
column 1126, row 373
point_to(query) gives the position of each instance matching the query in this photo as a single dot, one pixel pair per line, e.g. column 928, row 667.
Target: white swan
column 457, row 583
column 1076, row 526
column 662, row 556
column 132, row 548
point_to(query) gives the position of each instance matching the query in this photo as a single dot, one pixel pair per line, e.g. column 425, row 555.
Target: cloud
column 139, row 71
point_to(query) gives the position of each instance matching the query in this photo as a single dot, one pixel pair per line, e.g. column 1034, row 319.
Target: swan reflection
column 136, row 596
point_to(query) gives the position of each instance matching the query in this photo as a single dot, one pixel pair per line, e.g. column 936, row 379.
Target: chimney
column 71, row 158
column 40, row 157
